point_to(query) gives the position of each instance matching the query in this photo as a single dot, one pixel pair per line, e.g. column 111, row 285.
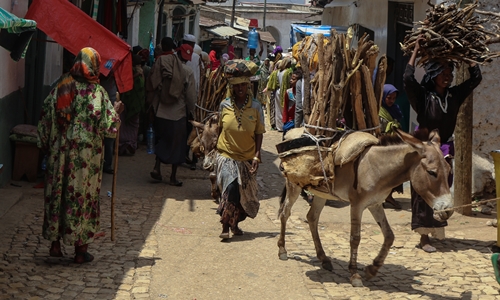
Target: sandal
column 55, row 249
column 84, row 257
column 156, row 175
column 427, row 248
column 392, row 202
column 175, row 183
column 224, row 235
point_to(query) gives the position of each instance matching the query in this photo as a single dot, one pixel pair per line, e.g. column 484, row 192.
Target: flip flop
column 175, row 183
column 494, row 262
column 155, row 175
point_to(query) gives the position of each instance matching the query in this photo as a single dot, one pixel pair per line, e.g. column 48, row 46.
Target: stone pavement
column 167, row 247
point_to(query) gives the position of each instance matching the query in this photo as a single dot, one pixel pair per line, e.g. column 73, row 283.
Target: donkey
column 203, row 144
column 366, row 182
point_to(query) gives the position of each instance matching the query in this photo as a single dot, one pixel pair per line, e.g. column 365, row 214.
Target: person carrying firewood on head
column 437, row 105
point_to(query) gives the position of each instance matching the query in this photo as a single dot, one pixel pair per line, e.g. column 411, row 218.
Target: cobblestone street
column 167, row 247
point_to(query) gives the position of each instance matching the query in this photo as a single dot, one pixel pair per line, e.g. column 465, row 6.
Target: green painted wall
column 146, row 23
column 12, row 113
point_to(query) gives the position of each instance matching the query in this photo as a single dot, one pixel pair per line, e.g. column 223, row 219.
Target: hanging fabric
column 95, row 9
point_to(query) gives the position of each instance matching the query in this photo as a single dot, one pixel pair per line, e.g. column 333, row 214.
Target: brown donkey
column 365, row 183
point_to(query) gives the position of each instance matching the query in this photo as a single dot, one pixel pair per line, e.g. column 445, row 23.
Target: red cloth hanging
column 85, row 32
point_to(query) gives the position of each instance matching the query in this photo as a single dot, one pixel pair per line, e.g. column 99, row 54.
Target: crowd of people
column 83, row 114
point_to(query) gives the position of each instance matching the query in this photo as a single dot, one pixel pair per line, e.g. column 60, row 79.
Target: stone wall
column 486, row 122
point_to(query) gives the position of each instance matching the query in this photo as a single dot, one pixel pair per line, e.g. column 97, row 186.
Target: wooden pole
column 462, row 180
column 115, row 170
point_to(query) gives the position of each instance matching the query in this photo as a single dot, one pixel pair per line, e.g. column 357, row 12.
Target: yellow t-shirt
column 239, row 143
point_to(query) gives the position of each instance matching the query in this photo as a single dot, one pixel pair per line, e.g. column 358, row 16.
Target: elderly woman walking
column 241, row 126
column 76, row 116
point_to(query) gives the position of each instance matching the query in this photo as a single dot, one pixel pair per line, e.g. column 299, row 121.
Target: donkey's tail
column 282, row 200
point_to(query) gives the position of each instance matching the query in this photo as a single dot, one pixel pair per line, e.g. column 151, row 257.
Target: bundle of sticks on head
column 455, row 34
column 212, row 92
column 342, row 86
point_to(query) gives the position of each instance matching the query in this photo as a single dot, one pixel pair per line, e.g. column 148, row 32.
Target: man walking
column 173, row 97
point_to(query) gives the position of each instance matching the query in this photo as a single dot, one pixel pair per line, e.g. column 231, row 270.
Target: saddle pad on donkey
column 347, row 149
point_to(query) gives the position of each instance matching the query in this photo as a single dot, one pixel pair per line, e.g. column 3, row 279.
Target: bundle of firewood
column 212, row 92
column 342, row 87
column 453, row 33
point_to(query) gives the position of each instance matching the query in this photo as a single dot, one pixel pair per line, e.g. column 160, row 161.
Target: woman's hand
column 119, row 107
column 416, row 49
column 419, row 40
column 255, row 166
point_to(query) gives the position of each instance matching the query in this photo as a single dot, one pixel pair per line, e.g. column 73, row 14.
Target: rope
column 467, row 205
column 317, row 140
column 204, row 109
column 340, row 130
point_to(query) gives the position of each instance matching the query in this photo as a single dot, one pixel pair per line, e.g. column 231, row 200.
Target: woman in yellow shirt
column 241, row 126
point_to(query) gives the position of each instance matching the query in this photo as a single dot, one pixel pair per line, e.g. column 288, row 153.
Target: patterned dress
column 74, row 166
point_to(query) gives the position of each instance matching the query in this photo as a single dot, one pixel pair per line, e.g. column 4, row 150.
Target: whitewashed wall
column 486, row 130
column 11, row 72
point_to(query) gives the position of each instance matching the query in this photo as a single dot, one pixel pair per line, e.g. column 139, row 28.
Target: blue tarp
column 299, row 31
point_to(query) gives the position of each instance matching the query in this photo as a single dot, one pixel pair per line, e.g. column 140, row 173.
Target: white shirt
column 194, row 64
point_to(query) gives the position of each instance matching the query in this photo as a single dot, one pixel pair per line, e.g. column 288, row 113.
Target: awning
column 85, row 32
column 305, row 30
column 224, row 31
column 15, row 34
column 207, row 22
column 266, row 36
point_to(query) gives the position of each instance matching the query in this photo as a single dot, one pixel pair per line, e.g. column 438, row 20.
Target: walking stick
column 115, row 169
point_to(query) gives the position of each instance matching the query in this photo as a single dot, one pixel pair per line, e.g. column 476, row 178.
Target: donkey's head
column 206, row 140
column 429, row 176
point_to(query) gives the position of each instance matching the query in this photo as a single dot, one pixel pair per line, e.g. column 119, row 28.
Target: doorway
column 397, row 28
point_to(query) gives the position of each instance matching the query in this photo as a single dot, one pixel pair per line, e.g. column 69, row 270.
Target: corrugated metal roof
column 266, row 36
column 196, row 2
column 224, row 31
column 207, row 22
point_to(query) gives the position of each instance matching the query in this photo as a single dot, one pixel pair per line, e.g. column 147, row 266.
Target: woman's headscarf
column 393, row 110
column 85, row 69
column 433, row 68
column 278, row 49
column 239, row 71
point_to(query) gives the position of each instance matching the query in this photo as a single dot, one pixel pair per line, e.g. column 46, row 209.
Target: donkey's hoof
column 356, row 281
column 327, row 265
column 370, row 272
column 283, row 256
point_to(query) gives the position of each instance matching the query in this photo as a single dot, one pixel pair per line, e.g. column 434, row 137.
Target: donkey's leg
column 356, row 215
column 313, row 218
column 288, row 197
column 379, row 216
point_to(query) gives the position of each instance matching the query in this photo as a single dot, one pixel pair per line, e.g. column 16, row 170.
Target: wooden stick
column 357, row 99
column 115, row 169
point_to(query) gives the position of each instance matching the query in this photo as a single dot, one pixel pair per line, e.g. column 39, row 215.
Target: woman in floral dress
column 75, row 118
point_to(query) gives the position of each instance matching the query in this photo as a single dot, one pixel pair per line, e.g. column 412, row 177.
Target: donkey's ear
column 434, row 137
column 409, row 139
column 197, row 124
